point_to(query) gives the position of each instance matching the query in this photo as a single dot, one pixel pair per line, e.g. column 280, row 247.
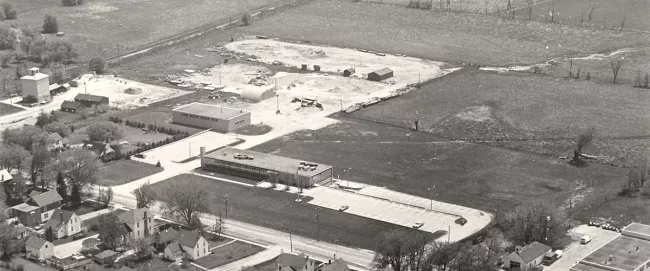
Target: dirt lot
column 471, row 175
column 128, row 24
column 279, row 211
column 124, row 171
column 227, row 254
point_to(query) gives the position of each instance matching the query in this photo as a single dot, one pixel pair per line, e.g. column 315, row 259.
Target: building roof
column 35, row 242
column 383, row 71
column 89, row 98
column 30, row 121
column 105, row 254
column 5, row 176
column 54, row 86
column 337, row 265
column 188, row 238
column 59, row 218
column 45, row 198
column 132, row 216
column 296, row 262
column 24, row 207
column 167, row 235
column 212, row 111
column 266, row 161
column 174, row 247
column 37, row 76
column 637, row 229
column 70, row 105
column 257, row 94
column 624, row 253
column 531, row 252
column 54, row 137
column 99, row 148
column 126, row 268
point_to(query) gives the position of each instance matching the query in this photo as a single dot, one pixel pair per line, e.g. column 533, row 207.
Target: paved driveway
column 576, row 251
column 67, row 249
column 187, row 148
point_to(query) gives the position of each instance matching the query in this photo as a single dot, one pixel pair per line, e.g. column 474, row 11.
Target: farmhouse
column 56, row 142
column 39, row 249
column 38, row 209
column 263, row 166
column 628, row 252
column 88, row 100
column 257, row 95
column 217, row 118
column 37, row 85
column 70, row 106
column 63, row 223
column 292, row 262
column 528, row 256
column 188, row 244
column 138, row 223
column 379, row 75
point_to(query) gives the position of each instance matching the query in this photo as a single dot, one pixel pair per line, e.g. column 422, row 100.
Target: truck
column 551, row 257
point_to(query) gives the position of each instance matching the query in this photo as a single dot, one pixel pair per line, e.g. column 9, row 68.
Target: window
column 46, row 215
column 138, row 225
column 138, row 233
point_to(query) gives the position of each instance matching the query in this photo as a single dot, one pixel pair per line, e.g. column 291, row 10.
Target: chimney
column 61, row 215
column 518, row 249
column 329, row 261
column 202, row 151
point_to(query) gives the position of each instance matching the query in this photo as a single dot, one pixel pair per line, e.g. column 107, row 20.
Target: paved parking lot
column 186, row 148
column 576, row 251
column 384, row 210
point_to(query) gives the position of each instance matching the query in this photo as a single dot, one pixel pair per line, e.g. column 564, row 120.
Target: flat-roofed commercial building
column 628, row 252
column 264, row 166
column 218, row 118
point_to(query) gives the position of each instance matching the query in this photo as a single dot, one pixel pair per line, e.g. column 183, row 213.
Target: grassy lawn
column 83, row 208
column 125, row 171
column 137, row 135
column 255, row 129
column 279, row 211
column 271, row 265
column 227, row 254
column 472, row 175
column 7, row 109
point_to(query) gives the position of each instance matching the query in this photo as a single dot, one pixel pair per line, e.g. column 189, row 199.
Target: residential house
column 166, row 237
column 527, row 256
column 30, row 121
column 293, row 262
column 188, row 244
column 88, row 100
column 337, row 265
column 70, row 106
column 138, row 223
column 38, row 248
column 99, row 148
column 38, row 209
column 126, row 268
column 63, row 223
column 5, row 176
column 56, row 142
column 105, row 257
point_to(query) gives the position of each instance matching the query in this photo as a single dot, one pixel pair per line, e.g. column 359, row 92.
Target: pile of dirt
column 261, row 79
column 133, row 91
column 294, row 84
column 477, row 123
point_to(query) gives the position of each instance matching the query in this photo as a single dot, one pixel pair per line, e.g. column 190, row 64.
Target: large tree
column 13, row 156
column 61, row 187
column 145, row 196
column 583, row 140
column 25, row 137
column 8, row 233
column 401, row 250
column 542, row 222
column 104, row 131
column 40, row 159
column 111, row 231
column 58, row 127
column 185, row 200
column 78, row 166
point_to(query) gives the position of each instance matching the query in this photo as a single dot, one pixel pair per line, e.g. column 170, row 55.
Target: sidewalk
column 94, row 214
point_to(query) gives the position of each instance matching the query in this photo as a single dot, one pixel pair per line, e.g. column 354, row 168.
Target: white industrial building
column 218, row 118
column 36, row 84
column 258, row 95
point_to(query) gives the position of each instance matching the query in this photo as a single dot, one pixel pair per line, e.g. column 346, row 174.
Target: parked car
column 585, row 239
column 594, row 224
column 418, row 225
column 343, row 208
column 140, row 155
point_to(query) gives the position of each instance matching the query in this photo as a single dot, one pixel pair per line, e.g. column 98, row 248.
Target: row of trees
column 151, row 127
column 30, row 44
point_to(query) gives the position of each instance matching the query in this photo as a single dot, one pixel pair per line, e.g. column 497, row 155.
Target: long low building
column 266, row 167
column 218, row 118
column 628, row 252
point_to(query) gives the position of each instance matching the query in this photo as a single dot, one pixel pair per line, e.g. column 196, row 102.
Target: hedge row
column 135, row 124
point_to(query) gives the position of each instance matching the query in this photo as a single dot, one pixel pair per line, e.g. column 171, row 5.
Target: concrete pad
column 187, row 148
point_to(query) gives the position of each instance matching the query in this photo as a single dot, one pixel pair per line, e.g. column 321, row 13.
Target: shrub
column 9, row 10
column 97, row 65
column 8, row 38
column 50, row 24
column 246, row 19
column 5, row 60
column 72, row 2
column 44, row 52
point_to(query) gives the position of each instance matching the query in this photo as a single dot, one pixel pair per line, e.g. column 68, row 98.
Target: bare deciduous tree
column 185, row 200
column 616, row 66
column 529, row 8
column 144, row 196
column 401, row 250
column 592, row 8
column 583, row 140
column 542, row 222
column 623, row 23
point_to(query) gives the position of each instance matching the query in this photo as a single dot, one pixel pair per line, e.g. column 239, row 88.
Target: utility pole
column 317, row 225
column 118, row 55
column 277, row 99
column 226, row 207
column 190, row 148
column 448, row 234
column 85, row 88
column 290, row 241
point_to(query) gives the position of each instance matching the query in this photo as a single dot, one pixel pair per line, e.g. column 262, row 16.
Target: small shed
column 74, row 83
column 258, row 95
column 380, row 75
column 317, row 68
column 347, row 72
column 105, row 257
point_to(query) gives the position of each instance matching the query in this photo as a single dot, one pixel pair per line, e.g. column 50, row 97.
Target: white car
column 418, row 225
column 585, row 239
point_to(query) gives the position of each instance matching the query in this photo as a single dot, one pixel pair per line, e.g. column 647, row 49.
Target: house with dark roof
column 379, row 75
column 138, row 223
column 164, row 238
column 70, row 106
column 126, row 268
column 527, row 256
column 337, row 265
column 105, row 257
column 56, row 142
column 99, row 148
column 38, row 248
column 63, row 223
column 293, row 262
column 188, row 244
column 89, row 100
column 39, row 208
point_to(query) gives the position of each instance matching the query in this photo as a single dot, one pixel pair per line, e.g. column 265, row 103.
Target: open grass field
column 128, row 24
column 123, row 171
column 472, row 175
column 279, row 211
column 449, row 37
column 7, row 109
column 227, row 254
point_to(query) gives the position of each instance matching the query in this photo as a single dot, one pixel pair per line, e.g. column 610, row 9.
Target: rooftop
column 37, row 76
column 532, row 251
column 638, row 228
column 45, row 198
column 5, row 176
column 24, row 207
column 35, row 242
column 266, row 161
column 89, row 97
column 105, row 254
column 383, row 71
column 623, row 252
column 208, row 110
column 70, row 104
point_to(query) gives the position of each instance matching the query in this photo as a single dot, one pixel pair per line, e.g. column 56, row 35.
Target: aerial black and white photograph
column 324, row 135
